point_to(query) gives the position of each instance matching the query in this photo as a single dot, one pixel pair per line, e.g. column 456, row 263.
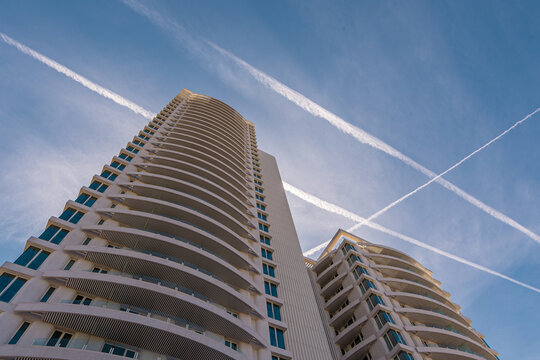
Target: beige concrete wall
column 305, row 336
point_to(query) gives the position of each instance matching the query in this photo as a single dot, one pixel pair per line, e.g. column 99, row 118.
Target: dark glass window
column 47, row 295
column 19, row 333
column 269, row 270
column 38, row 260
column 27, row 256
column 273, row 311
column 69, row 264
column 270, row 289
column 276, row 337
column 8, row 289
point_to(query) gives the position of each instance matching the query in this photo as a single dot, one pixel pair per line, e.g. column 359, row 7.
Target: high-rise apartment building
column 379, row 303
column 184, row 248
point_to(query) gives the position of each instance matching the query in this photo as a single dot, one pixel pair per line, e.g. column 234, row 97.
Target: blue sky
column 435, row 80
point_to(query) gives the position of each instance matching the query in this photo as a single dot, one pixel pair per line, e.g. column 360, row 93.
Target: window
column 144, row 137
column 86, row 241
column 365, row 285
column 261, row 216
column 261, row 207
column 232, row 314
column 358, row 271
column 352, row 259
column 48, row 294
column 98, row 270
column 270, row 288
column 86, row 200
column 72, row 215
column 118, row 350
column 232, row 345
column 266, row 254
column 15, row 338
column 79, row 299
column 259, row 190
column 346, row 248
column 259, row 197
column 403, row 356
column 32, row 257
column 269, row 270
column 273, row 311
column 392, row 338
column 263, row 227
column 125, row 157
column 258, row 182
column 382, row 318
column 132, row 149
column 264, row 239
column 373, row 300
column 54, row 234
column 108, row 175
column 117, row 165
column 138, row 142
column 96, row 185
column 277, row 358
column 257, row 176
column 276, row 337
column 148, row 131
column 69, row 264
column 9, row 286
column 59, row 338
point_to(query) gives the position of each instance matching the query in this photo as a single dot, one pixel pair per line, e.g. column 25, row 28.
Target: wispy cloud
column 315, row 109
column 78, row 78
column 513, row 223
column 322, row 204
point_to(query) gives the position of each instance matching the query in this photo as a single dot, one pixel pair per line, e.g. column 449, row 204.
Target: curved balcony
column 190, row 133
column 199, row 171
column 220, row 112
column 426, row 303
column 450, row 339
column 417, row 288
column 188, row 214
column 173, row 228
column 161, row 299
column 348, row 334
column 444, row 321
column 322, row 265
column 210, row 125
column 333, row 285
column 442, row 353
column 210, row 135
column 339, row 319
column 202, row 143
column 192, row 201
column 328, row 272
column 133, row 329
column 195, row 121
column 77, row 351
column 385, row 250
column 184, row 181
column 333, row 303
column 184, row 274
column 389, row 260
column 206, row 148
column 198, row 260
column 207, row 155
column 400, row 273
column 220, row 115
column 176, row 246
column 237, row 182
column 359, row 351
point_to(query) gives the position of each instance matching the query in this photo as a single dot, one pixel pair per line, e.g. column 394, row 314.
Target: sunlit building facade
column 379, row 303
column 183, row 247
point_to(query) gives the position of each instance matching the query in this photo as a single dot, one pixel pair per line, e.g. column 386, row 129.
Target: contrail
column 352, row 216
column 78, row 78
column 315, row 109
column 391, row 205
column 368, row 139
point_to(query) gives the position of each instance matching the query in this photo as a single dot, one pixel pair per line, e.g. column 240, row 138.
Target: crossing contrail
column 78, row 78
column 391, row 205
column 315, row 109
column 325, row 205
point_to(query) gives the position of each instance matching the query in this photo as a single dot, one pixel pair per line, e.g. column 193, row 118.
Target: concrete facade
column 379, row 303
column 183, row 247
